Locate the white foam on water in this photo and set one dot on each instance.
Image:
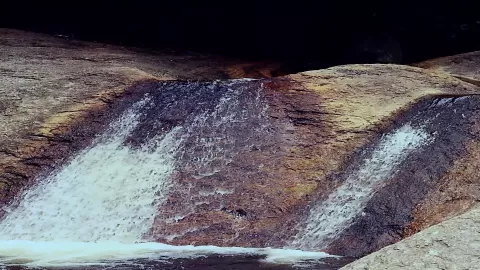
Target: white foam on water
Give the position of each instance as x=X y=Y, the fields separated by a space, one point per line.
x=58 y=254
x=110 y=191
x=329 y=218
x=234 y=81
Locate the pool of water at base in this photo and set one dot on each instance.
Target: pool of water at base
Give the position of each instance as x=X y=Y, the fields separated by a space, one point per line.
x=202 y=263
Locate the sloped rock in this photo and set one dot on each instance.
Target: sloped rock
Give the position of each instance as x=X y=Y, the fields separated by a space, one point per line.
x=453 y=244
x=463 y=66
x=458 y=189
x=49 y=84
x=323 y=120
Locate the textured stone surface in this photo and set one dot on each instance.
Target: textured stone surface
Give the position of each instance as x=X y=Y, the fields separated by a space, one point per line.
x=464 y=66
x=388 y=217
x=433 y=184
x=453 y=244
x=458 y=189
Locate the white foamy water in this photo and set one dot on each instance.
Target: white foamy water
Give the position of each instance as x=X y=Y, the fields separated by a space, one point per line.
x=329 y=218
x=57 y=254
x=109 y=191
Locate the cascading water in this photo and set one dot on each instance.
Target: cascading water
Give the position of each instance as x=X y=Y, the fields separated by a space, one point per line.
x=234 y=125
x=99 y=207
x=215 y=134
x=108 y=192
x=330 y=217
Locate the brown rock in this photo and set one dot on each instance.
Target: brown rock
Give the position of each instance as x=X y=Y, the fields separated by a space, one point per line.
x=463 y=66
x=459 y=188
x=457 y=192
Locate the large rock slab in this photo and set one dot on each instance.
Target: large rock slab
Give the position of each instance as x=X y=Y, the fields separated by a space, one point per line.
x=453 y=244
x=256 y=157
x=322 y=125
x=459 y=188
x=43 y=75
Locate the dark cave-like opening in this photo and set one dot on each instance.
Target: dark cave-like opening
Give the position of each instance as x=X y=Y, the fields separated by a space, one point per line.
x=302 y=34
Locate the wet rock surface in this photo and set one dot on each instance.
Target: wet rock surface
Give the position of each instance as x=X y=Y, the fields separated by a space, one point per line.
x=318 y=134
x=419 y=193
x=255 y=155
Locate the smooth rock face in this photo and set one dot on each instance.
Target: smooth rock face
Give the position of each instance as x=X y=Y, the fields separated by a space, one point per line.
x=43 y=75
x=256 y=156
x=453 y=244
x=387 y=216
x=318 y=126
x=421 y=181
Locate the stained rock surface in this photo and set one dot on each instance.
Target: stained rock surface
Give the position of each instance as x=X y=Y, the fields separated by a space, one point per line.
x=454 y=242
x=459 y=188
x=256 y=156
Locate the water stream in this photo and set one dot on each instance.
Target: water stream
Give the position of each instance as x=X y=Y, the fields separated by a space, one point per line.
x=108 y=192
x=97 y=208
x=328 y=218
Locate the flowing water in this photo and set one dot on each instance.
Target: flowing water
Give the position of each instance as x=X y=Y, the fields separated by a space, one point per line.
x=97 y=209
x=108 y=192
x=330 y=217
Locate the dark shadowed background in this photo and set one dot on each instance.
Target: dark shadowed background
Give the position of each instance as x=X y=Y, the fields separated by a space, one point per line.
x=304 y=34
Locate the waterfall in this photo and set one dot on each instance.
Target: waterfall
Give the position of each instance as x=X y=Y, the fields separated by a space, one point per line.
x=329 y=218
x=108 y=192
x=97 y=207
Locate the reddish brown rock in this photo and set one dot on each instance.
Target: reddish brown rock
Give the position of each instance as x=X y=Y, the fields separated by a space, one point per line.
x=458 y=189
